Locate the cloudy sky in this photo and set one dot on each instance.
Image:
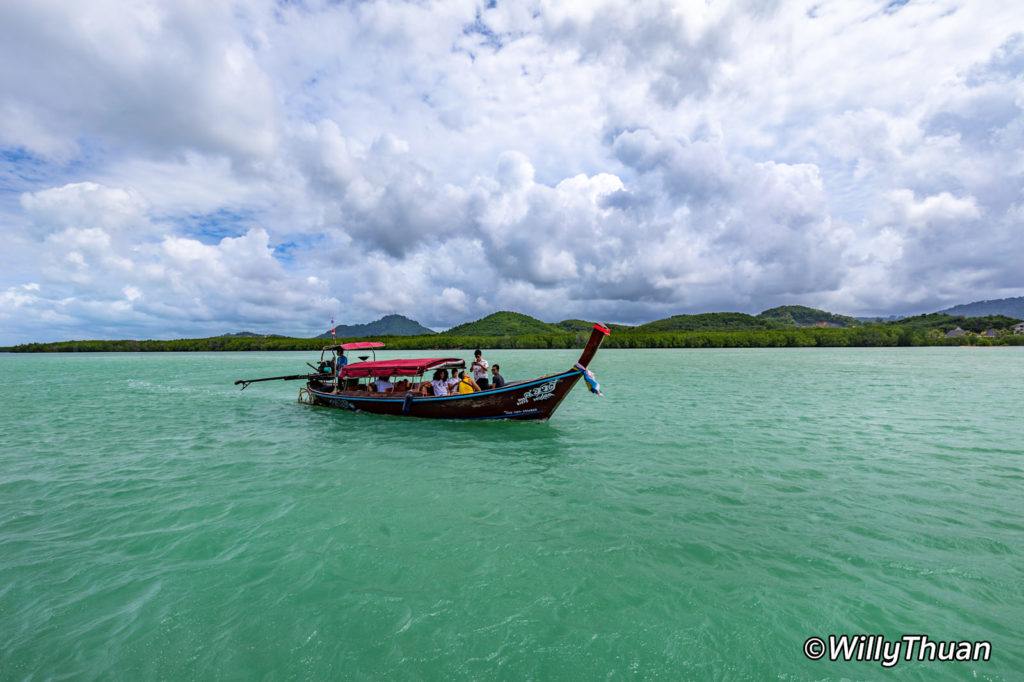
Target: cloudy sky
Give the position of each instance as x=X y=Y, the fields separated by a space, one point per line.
x=184 y=168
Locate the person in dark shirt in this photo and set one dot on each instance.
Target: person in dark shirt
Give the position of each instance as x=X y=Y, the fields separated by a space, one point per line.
x=497 y=380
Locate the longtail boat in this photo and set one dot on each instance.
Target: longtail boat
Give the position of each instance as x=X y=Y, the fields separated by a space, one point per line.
x=340 y=384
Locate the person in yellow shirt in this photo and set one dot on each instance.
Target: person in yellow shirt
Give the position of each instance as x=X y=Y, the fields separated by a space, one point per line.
x=466 y=383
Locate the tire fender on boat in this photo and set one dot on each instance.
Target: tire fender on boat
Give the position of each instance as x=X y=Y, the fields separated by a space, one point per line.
x=407 y=404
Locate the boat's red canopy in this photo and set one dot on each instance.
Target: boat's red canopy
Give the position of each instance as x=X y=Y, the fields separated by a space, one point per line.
x=355 y=345
x=360 y=345
x=405 y=368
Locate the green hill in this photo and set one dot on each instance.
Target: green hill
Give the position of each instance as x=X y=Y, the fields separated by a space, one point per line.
x=504 y=323
x=573 y=326
x=945 y=323
x=389 y=325
x=802 y=316
x=582 y=326
x=708 y=322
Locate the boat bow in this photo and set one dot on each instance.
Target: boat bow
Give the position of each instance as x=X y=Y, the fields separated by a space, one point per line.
x=593 y=343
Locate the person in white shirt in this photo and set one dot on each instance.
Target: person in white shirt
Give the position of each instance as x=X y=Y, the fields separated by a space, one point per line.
x=479 y=369
x=440 y=382
x=383 y=385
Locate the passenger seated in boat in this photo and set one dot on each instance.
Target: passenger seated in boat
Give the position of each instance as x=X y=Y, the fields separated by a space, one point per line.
x=383 y=385
x=497 y=381
x=440 y=382
x=467 y=384
x=402 y=385
x=453 y=383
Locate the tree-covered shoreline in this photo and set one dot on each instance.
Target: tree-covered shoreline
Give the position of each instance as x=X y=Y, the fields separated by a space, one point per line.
x=889 y=334
x=783 y=327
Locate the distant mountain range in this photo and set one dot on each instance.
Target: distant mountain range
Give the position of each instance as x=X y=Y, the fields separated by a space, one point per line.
x=1011 y=307
x=507 y=323
x=389 y=325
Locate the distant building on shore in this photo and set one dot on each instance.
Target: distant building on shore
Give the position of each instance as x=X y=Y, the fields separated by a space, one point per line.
x=952 y=334
x=1018 y=328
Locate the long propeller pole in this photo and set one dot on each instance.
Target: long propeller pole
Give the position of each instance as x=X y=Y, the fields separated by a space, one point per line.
x=291 y=377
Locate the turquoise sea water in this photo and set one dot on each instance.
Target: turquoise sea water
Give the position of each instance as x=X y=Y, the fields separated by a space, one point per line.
x=702 y=520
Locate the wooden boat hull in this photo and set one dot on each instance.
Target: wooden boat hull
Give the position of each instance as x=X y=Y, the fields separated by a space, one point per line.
x=536 y=399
